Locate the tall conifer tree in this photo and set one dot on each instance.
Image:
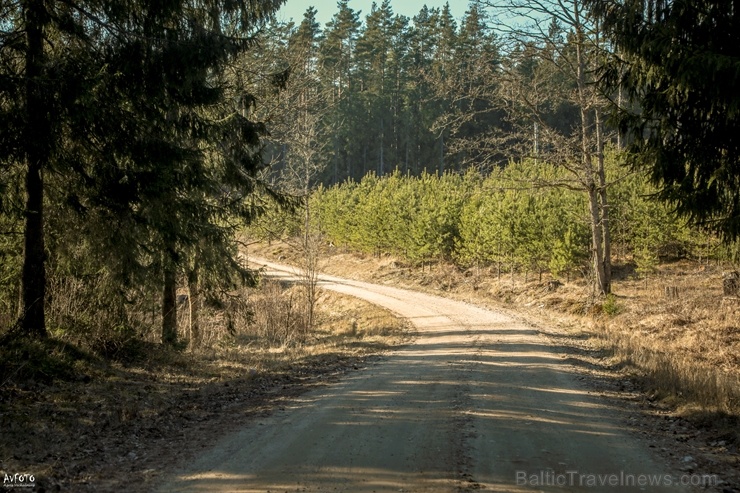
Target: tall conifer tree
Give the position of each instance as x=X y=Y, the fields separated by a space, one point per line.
x=125 y=104
x=678 y=63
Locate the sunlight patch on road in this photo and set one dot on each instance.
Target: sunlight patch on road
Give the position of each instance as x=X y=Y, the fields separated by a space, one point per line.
x=375 y=393
x=355 y=479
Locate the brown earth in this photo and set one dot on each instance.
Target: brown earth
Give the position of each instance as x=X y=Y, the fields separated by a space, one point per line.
x=696 y=431
x=118 y=425
x=480 y=400
x=126 y=426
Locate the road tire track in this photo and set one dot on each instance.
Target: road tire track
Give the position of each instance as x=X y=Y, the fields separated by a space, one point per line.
x=478 y=401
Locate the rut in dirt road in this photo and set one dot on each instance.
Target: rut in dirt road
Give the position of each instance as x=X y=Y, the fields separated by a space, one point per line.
x=479 y=401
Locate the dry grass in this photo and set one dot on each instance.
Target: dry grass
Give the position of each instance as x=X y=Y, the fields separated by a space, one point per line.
x=686 y=351
x=83 y=422
x=688 y=348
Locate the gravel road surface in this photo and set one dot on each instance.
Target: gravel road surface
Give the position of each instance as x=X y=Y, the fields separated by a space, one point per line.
x=478 y=401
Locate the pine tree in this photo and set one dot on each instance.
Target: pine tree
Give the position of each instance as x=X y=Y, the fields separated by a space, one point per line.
x=422 y=110
x=337 y=57
x=473 y=116
x=443 y=76
x=373 y=53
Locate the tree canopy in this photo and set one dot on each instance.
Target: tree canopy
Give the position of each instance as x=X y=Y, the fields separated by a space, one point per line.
x=678 y=63
x=122 y=115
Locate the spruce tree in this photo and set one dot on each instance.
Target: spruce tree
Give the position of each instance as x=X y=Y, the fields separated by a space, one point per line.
x=337 y=58
x=125 y=104
x=373 y=53
x=678 y=63
x=422 y=107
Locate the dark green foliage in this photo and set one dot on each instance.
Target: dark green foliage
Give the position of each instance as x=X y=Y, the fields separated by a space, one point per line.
x=399 y=93
x=679 y=65
x=133 y=146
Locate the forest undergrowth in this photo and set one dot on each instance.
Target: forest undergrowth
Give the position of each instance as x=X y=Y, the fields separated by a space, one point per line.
x=101 y=414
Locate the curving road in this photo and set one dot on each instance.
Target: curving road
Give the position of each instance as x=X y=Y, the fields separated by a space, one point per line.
x=479 y=401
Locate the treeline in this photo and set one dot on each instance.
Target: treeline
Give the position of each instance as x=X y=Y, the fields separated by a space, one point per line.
x=380 y=91
x=522 y=218
x=433 y=95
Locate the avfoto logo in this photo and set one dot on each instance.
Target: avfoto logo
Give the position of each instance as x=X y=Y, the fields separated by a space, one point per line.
x=19 y=480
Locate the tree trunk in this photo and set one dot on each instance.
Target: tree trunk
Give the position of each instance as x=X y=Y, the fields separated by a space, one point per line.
x=310 y=267
x=381 y=171
x=169 y=306
x=364 y=159
x=604 y=206
x=601 y=283
x=194 y=305
x=406 y=160
x=34 y=272
x=620 y=142
x=36 y=140
x=335 y=174
x=441 y=154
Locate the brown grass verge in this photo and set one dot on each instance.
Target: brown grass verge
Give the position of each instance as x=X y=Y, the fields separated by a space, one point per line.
x=684 y=351
x=80 y=422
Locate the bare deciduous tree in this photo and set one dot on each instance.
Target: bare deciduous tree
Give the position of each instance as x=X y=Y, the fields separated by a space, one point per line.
x=553 y=49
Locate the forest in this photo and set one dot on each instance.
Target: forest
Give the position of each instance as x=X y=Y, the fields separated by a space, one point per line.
x=142 y=141
x=564 y=175
x=503 y=138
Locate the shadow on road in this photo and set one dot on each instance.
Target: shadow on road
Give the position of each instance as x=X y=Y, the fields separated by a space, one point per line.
x=477 y=401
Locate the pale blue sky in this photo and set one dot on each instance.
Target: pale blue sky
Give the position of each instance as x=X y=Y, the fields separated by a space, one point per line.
x=327 y=8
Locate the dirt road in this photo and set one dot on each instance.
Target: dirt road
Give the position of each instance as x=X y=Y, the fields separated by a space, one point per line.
x=479 y=401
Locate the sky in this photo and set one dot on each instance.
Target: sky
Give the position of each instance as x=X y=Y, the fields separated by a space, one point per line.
x=327 y=8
